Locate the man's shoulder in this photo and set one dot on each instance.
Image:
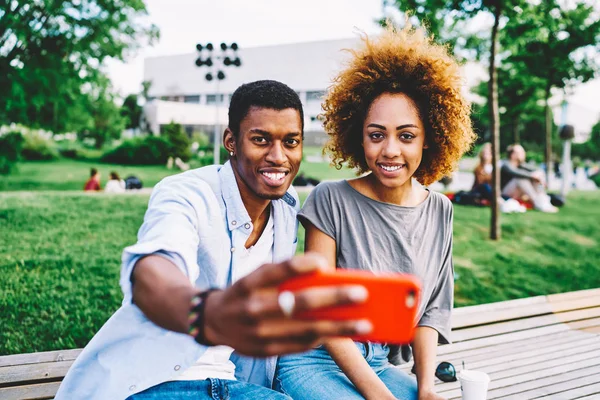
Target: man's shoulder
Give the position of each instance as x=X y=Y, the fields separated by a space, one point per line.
x=199 y=181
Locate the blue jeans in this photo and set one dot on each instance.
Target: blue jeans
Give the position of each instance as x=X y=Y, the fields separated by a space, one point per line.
x=315 y=375
x=209 y=389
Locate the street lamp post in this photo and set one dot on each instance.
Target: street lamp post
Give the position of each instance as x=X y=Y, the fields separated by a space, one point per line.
x=228 y=57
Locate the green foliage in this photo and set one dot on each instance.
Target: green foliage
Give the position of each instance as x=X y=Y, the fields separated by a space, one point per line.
x=106 y=121
x=53 y=52
x=38 y=147
x=179 y=142
x=10 y=151
x=131 y=111
x=147 y=150
x=591 y=148
x=58 y=293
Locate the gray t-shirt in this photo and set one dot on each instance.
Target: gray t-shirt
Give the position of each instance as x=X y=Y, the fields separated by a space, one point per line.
x=382 y=237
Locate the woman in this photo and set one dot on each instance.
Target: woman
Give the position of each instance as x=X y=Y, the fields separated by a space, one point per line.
x=115 y=184
x=397 y=112
x=482 y=187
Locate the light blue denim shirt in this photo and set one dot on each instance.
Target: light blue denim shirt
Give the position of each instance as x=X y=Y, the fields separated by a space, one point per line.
x=197 y=220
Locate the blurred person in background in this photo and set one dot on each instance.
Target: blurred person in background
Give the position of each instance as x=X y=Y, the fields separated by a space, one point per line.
x=522 y=182
x=115 y=184
x=93 y=184
x=482 y=187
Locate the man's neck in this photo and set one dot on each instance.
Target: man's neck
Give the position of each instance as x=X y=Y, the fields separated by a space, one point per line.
x=515 y=163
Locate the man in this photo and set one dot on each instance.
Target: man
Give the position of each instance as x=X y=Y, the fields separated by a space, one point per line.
x=206 y=228
x=93 y=184
x=519 y=180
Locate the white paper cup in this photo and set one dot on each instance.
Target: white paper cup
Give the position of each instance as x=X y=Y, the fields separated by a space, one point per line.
x=473 y=384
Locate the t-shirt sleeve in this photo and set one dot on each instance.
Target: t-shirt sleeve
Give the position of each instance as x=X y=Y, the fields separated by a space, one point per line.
x=439 y=308
x=317 y=210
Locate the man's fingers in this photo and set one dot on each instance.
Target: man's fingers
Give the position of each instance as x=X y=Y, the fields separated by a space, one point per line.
x=308 y=332
x=270 y=275
x=265 y=304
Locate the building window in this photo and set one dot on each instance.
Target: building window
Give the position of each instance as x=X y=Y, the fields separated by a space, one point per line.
x=191 y=99
x=212 y=98
x=315 y=95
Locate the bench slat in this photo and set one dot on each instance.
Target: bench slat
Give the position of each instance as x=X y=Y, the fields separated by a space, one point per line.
x=34 y=358
x=34 y=372
x=30 y=392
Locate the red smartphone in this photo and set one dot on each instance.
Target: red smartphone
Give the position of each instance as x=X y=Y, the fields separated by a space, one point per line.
x=391 y=306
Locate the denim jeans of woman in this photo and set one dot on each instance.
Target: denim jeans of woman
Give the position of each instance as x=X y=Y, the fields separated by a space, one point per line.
x=315 y=375
x=209 y=389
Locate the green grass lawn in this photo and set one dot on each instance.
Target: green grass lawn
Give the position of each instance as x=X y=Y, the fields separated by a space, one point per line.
x=66 y=174
x=60 y=258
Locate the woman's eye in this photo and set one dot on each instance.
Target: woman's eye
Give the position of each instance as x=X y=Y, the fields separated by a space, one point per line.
x=376 y=135
x=407 y=136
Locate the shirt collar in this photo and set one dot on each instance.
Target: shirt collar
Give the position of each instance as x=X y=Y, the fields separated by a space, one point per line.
x=236 y=212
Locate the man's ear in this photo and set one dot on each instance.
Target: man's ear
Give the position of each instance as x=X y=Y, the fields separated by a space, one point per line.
x=229 y=141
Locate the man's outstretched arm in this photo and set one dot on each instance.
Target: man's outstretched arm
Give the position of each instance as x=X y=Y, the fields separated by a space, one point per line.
x=246 y=316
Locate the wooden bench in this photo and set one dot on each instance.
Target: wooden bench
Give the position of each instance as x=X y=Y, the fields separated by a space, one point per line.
x=544 y=346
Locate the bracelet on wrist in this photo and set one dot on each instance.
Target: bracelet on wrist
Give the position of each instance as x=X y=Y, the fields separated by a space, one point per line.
x=196 y=317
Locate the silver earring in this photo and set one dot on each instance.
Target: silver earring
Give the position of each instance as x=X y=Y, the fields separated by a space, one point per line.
x=231 y=153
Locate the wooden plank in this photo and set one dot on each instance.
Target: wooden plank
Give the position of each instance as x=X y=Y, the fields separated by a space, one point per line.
x=519 y=345
x=584 y=324
x=524 y=324
x=523 y=373
x=574 y=304
x=591 y=388
x=31 y=392
x=518 y=358
x=508 y=337
x=34 y=358
x=469 y=320
x=578 y=294
x=33 y=372
x=518 y=388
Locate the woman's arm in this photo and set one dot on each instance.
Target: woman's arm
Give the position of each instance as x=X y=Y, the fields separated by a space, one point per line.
x=425 y=348
x=343 y=351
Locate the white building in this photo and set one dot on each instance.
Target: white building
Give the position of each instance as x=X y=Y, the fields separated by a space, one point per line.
x=188 y=98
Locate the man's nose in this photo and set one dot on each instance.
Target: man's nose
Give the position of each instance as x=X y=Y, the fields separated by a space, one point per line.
x=276 y=154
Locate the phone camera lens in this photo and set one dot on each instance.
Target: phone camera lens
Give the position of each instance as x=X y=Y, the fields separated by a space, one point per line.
x=411 y=299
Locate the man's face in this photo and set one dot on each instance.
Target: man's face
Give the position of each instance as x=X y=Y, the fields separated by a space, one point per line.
x=519 y=154
x=268 y=151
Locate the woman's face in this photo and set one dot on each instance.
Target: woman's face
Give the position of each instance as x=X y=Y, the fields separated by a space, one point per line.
x=486 y=154
x=393 y=139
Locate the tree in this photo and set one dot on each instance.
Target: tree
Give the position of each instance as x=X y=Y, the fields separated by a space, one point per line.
x=131 y=111
x=555 y=40
x=51 y=53
x=442 y=18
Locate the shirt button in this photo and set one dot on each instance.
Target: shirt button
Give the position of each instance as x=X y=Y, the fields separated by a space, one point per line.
x=177 y=368
x=232 y=249
x=131 y=388
x=233 y=222
x=247 y=226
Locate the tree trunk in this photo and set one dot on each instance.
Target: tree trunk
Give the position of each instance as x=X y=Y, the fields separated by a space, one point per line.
x=495 y=126
x=548 y=152
x=516 y=132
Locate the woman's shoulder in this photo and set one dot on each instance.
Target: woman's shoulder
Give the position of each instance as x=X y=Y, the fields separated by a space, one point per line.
x=329 y=188
x=440 y=202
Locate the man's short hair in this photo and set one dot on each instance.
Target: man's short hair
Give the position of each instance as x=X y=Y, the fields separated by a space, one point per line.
x=93 y=172
x=510 y=149
x=263 y=94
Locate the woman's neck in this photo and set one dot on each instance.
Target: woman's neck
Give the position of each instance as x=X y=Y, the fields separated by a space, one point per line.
x=406 y=195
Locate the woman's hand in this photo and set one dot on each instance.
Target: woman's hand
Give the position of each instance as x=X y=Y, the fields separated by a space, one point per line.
x=430 y=395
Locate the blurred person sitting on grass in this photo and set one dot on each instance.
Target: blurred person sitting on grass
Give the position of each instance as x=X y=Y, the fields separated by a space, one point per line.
x=397 y=114
x=115 y=184
x=93 y=184
x=201 y=316
x=482 y=187
x=522 y=182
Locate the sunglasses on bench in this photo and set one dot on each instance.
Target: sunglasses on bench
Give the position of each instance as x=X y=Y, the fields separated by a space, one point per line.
x=445 y=372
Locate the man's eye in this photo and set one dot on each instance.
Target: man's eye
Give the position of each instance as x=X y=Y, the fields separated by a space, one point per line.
x=259 y=139
x=292 y=142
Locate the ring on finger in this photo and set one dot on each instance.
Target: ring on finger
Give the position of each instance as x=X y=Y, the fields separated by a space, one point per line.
x=287 y=302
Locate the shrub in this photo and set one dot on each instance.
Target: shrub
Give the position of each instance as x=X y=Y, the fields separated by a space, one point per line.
x=148 y=150
x=10 y=150
x=179 y=142
x=38 y=147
